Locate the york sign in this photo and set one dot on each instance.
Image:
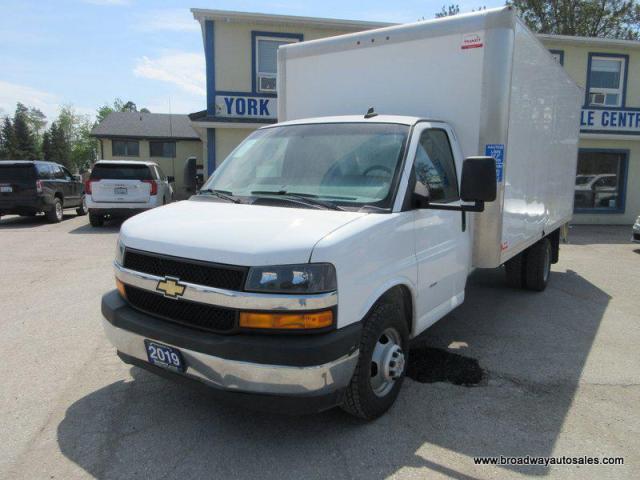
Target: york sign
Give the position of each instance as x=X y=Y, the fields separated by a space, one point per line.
x=610 y=121
x=237 y=106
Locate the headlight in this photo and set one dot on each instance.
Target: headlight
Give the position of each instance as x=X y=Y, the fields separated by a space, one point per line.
x=119 y=252
x=305 y=278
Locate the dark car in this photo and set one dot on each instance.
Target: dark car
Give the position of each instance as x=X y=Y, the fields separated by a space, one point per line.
x=28 y=187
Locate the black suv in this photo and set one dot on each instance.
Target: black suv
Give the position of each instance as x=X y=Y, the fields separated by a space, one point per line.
x=28 y=187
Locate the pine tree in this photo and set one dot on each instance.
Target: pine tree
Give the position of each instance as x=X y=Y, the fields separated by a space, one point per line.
x=46 y=145
x=26 y=147
x=60 y=148
x=7 y=140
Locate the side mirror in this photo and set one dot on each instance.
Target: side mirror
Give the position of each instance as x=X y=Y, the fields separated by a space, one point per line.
x=478 y=180
x=171 y=179
x=77 y=178
x=190 y=174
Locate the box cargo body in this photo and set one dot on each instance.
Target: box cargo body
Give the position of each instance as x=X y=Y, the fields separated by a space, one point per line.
x=489 y=78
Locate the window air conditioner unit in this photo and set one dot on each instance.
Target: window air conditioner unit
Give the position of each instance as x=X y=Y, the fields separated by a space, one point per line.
x=267 y=83
x=597 y=99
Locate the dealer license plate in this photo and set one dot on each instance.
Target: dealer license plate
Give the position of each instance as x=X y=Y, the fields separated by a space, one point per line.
x=164 y=356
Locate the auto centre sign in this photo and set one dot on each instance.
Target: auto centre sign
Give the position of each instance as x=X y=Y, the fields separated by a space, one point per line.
x=622 y=122
x=241 y=106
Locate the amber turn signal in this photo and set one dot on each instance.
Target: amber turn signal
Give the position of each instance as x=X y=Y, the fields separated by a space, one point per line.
x=287 y=321
x=120 y=287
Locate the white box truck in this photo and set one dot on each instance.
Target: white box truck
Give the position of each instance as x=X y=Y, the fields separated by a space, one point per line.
x=297 y=277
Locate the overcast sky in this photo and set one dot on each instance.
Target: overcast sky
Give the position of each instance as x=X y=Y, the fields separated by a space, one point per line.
x=88 y=52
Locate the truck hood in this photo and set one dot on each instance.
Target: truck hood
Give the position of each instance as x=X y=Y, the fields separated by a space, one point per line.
x=233 y=234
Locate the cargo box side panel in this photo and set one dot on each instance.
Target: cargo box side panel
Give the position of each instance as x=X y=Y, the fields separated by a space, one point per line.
x=541 y=152
x=431 y=78
x=494 y=120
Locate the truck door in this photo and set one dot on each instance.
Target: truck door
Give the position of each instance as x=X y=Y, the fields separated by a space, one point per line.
x=442 y=246
x=73 y=188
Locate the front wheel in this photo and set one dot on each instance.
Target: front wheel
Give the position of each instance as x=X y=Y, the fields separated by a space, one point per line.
x=381 y=364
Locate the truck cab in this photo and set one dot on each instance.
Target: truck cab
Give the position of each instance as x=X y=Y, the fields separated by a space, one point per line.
x=305 y=264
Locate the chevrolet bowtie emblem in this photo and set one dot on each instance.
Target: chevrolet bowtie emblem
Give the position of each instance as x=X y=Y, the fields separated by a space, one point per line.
x=171 y=287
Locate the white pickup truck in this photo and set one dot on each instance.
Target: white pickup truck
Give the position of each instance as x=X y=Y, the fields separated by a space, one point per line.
x=322 y=245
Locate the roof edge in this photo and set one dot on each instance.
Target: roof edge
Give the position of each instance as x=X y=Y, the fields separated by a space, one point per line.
x=571 y=40
x=201 y=14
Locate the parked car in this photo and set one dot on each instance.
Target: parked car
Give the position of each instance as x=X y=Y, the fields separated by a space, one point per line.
x=29 y=187
x=118 y=188
x=322 y=246
x=636 y=231
x=594 y=191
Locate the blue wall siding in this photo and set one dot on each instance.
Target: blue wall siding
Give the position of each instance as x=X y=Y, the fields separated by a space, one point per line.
x=211 y=151
x=209 y=55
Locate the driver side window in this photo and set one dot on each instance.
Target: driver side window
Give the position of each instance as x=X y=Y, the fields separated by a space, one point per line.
x=434 y=167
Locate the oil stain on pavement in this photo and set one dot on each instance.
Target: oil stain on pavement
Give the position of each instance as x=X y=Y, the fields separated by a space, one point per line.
x=430 y=365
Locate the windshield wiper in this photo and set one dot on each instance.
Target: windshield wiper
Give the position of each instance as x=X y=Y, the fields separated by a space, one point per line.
x=221 y=194
x=373 y=209
x=305 y=198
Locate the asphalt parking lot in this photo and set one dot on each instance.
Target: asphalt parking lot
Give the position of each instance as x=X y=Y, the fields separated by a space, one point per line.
x=559 y=375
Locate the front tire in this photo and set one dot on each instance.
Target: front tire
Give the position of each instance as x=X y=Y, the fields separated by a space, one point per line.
x=381 y=364
x=56 y=214
x=96 y=220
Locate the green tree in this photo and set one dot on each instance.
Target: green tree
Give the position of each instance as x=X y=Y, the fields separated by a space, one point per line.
x=7 y=140
x=84 y=148
x=46 y=145
x=448 y=11
x=118 y=105
x=588 y=18
x=129 y=107
x=60 y=150
x=26 y=144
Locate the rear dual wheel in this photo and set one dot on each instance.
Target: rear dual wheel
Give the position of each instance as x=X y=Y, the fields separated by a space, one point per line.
x=531 y=269
x=381 y=364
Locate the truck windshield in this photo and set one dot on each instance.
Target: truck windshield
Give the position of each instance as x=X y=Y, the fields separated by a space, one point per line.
x=350 y=164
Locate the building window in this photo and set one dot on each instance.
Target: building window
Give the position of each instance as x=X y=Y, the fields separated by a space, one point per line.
x=606 y=80
x=558 y=56
x=266 y=58
x=601 y=181
x=125 y=148
x=162 y=149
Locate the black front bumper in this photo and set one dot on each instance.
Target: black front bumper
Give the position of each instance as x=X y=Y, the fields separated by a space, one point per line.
x=298 y=352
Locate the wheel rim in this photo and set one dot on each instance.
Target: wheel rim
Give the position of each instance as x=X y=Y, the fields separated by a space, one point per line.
x=547 y=263
x=387 y=362
x=58 y=210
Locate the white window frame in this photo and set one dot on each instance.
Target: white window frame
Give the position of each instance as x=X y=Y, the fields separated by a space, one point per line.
x=604 y=91
x=259 y=74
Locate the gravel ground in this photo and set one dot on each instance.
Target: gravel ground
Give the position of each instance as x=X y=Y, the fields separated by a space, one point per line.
x=559 y=376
